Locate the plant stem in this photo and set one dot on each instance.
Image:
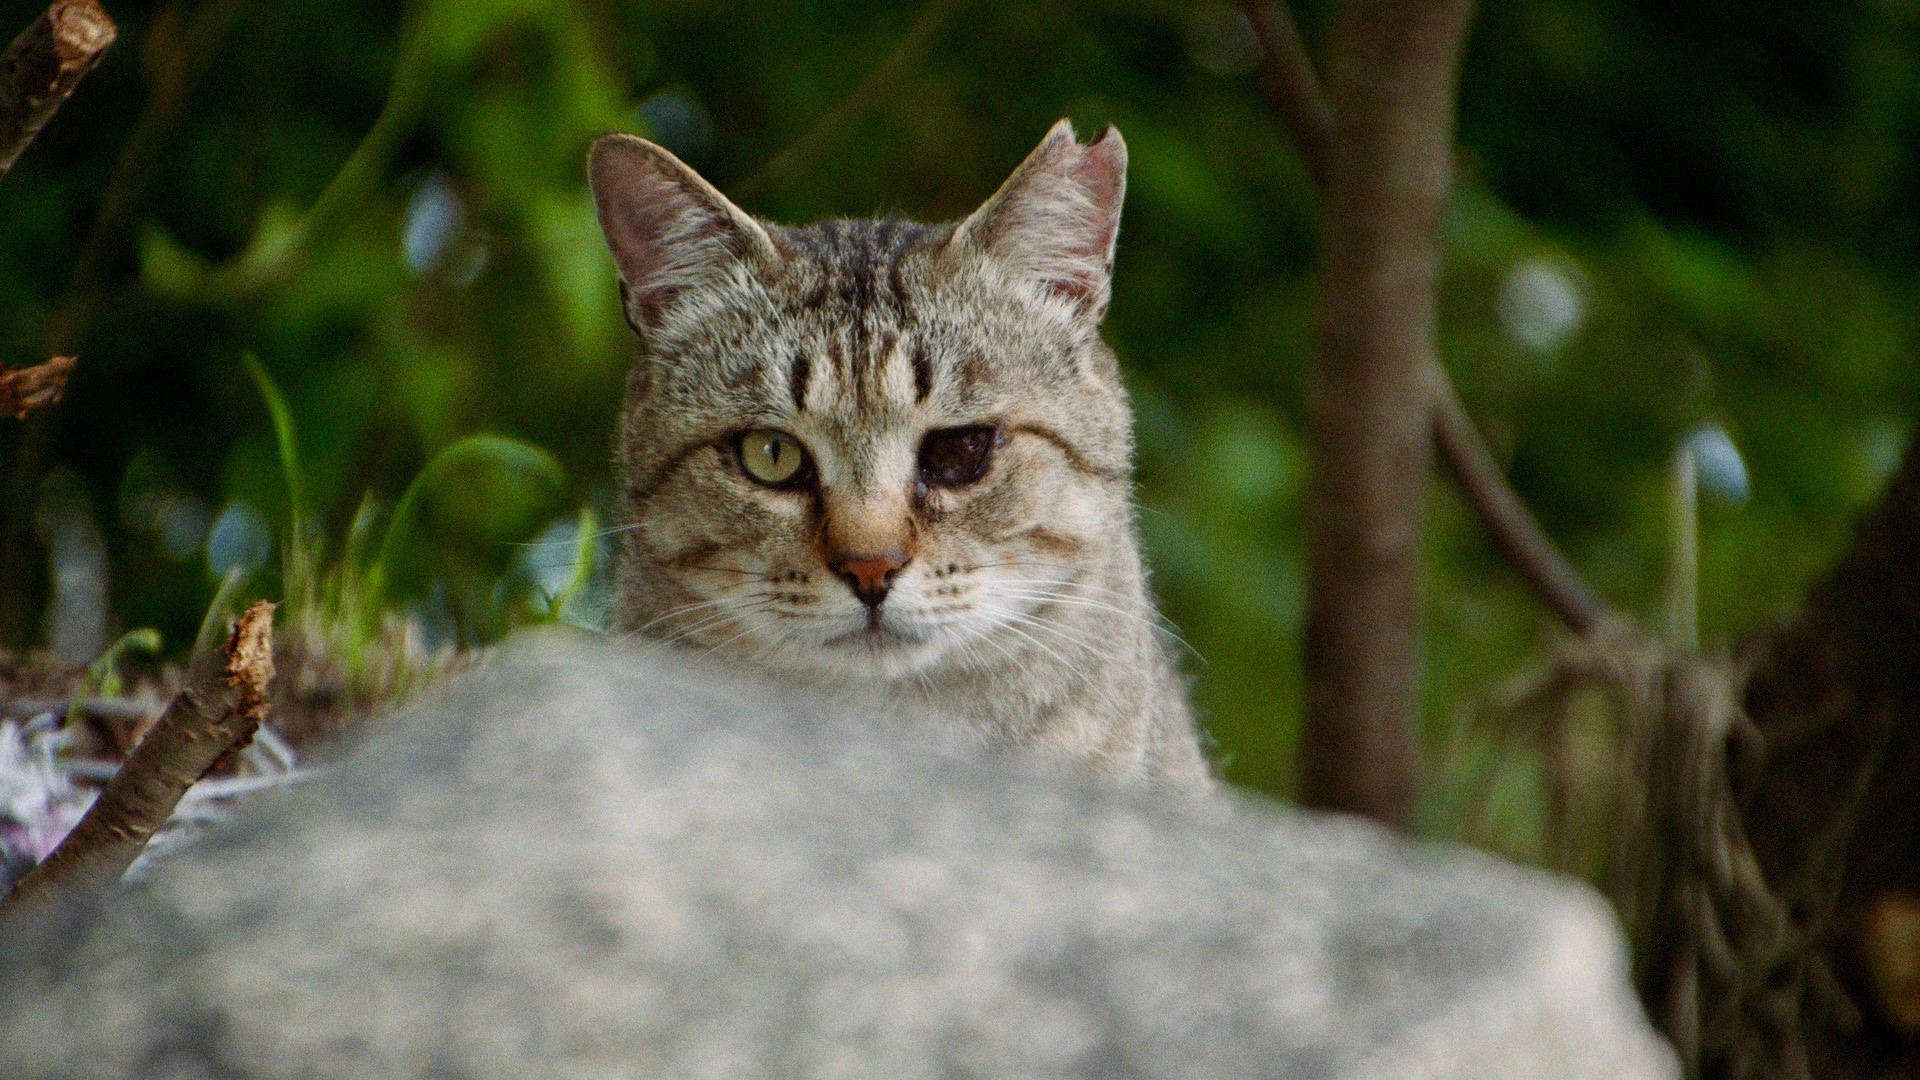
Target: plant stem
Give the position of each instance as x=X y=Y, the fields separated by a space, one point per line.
x=1683 y=552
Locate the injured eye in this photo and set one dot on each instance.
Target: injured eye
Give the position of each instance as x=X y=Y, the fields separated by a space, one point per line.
x=773 y=458
x=957 y=456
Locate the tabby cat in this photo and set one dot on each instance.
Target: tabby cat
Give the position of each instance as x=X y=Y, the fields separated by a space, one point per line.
x=893 y=461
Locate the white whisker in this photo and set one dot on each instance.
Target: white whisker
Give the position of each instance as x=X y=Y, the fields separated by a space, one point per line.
x=697 y=606
x=1032 y=591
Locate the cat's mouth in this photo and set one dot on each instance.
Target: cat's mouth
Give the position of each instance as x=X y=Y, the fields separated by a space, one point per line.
x=875 y=636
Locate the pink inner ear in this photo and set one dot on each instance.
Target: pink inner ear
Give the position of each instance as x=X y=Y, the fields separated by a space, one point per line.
x=667 y=228
x=638 y=207
x=1101 y=171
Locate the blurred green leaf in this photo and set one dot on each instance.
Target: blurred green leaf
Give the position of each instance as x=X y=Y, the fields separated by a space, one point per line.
x=485 y=488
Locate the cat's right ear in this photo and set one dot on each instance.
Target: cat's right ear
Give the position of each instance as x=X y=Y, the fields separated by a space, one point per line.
x=1055 y=220
x=670 y=231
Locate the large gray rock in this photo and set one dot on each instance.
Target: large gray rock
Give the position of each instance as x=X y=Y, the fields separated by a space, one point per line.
x=580 y=863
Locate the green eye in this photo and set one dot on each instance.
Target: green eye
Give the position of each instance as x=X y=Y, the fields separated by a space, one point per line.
x=772 y=458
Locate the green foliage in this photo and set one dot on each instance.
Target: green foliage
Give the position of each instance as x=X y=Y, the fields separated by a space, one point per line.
x=580 y=574
x=472 y=502
x=389 y=211
x=287 y=443
x=484 y=492
x=103 y=679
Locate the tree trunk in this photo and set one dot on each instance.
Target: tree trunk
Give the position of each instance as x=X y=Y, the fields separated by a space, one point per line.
x=1392 y=72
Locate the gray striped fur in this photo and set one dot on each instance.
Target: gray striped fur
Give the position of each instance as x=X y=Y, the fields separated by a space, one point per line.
x=1022 y=614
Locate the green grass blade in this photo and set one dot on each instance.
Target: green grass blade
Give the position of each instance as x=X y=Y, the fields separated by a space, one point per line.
x=103 y=675
x=297 y=566
x=495 y=452
x=586 y=550
x=214 y=623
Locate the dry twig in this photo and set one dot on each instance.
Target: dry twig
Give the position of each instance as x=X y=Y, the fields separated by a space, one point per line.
x=23 y=390
x=218 y=710
x=43 y=65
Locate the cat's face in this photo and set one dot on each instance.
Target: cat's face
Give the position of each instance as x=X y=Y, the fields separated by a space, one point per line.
x=870 y=449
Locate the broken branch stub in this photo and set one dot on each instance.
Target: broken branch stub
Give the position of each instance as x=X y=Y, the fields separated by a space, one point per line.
x=219 y=708
x=43 y=65
x=23 y=390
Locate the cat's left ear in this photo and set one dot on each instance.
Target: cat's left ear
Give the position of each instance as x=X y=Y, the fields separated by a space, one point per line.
x=1055 y=220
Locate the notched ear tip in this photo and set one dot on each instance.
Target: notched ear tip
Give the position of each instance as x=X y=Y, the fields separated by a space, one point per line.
x=1055 y=219
x=1062 y=149
x=1106 y=157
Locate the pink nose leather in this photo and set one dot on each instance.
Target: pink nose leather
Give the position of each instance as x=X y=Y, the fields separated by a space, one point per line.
x=870 y=576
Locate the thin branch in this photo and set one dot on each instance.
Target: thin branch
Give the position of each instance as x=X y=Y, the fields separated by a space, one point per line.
x=1514 y=530
x=43 y=65
x=1291 y=88
x=926 y=28
x=23 y=390
x=217 y=711
x=1293 y=92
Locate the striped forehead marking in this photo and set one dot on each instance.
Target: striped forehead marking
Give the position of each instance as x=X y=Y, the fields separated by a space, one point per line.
x=872 y=353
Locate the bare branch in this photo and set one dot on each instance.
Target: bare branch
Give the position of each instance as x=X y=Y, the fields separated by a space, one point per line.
x=1291 y=88
x=1293 y=92
x=43 y=65
x=23 y=390
x=181 y=43
x=1513 y=527
x=217 y=711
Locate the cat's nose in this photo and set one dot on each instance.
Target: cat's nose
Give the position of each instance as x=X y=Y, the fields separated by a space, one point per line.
x=870 y=576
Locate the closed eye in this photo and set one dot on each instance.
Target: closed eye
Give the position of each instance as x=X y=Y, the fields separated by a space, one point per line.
x=956 y=457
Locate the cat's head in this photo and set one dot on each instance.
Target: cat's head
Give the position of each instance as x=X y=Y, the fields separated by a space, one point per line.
x=872 y=446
